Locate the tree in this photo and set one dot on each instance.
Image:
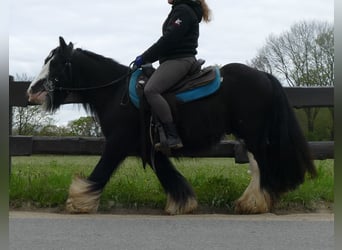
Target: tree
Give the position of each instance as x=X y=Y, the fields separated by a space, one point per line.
x=54 y=130
x=29 y=120
x=303 y=56
x=85 y=126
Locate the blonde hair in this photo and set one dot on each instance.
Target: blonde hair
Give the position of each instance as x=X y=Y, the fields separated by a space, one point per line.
x=206 y=11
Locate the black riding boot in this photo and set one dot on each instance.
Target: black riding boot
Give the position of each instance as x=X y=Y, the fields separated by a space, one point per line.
x=173 y=140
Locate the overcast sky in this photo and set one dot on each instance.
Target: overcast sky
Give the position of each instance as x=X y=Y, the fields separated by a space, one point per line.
x=123 y=29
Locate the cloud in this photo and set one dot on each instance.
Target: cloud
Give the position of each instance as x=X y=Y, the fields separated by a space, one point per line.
x=124 y=29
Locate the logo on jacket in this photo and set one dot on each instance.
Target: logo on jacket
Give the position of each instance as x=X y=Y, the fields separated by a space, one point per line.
x=178 y=22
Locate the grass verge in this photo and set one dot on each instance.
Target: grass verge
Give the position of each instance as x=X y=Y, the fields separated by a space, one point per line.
x=43 y=182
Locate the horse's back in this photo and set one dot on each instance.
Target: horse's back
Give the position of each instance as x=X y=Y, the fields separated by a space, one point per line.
x=246 y=75
x=245 y=84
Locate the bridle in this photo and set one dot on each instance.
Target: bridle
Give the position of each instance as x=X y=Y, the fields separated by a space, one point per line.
x=49 y=85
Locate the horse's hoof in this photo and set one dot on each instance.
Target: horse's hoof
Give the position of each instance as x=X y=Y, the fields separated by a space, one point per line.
x=254 y=203
x=81 y=199
x=175 y=208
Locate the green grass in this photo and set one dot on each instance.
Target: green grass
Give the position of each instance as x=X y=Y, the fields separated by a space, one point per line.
x=43 y=182
x=322 y=127
x=313 y=192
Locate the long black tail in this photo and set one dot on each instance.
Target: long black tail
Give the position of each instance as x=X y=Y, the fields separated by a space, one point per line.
x=287 y=154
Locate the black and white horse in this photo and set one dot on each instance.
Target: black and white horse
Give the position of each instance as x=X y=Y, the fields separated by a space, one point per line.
x=249 y=104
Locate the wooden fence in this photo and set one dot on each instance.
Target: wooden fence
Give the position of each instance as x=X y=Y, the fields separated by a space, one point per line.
x=29 y=145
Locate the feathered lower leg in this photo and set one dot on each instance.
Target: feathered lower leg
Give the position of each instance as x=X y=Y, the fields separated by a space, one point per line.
x=82 y=198
x=254 y=200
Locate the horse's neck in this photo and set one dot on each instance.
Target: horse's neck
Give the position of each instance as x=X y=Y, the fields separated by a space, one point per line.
x=91 y=72
x=94 y=71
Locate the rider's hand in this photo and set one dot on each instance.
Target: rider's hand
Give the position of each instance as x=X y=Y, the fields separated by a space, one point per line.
x=138 y=61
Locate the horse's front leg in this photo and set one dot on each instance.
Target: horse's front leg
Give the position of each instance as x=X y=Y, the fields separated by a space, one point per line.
x=181 y=198
x=84 y=194
x=254 y=200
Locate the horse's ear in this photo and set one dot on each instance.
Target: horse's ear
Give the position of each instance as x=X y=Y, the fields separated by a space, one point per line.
x=62 y=43
x=71 y=46
x=65 y=49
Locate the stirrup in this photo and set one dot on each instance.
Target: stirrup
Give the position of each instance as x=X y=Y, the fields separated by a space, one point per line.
x=159 y=147
x=176 y=145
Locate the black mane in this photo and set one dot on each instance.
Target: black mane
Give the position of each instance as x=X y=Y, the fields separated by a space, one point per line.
x=97 y=57
x=105 y=63
x=107 y=70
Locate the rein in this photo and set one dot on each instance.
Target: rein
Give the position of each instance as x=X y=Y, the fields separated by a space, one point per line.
x=48 y=85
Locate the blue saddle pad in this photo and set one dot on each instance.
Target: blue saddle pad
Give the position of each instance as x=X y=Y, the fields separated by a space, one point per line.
x=185 y=96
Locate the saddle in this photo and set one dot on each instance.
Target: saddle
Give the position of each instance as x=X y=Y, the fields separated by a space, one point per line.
x=197 y=84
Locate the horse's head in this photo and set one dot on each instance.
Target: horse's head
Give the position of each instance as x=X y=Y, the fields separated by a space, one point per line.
x=55 y=74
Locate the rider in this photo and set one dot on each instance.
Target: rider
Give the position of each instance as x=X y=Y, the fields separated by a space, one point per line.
x=175 y=50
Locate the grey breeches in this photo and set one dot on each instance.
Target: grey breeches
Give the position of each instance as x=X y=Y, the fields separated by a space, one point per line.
x=167 y=74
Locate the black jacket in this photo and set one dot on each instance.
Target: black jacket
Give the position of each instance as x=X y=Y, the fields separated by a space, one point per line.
x=180 y=33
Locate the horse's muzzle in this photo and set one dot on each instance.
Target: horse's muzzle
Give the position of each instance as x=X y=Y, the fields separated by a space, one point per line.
x=36 y=92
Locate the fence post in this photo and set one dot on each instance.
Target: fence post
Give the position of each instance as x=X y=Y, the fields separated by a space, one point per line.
x=10 y=113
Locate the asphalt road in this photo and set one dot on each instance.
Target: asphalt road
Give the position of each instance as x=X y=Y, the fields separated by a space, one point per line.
x=155 y=232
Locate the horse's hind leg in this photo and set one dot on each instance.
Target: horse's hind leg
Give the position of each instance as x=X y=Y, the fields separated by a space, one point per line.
x=254 y=200
x=180 y=195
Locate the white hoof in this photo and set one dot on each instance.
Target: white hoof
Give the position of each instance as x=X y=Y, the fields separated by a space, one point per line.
x=81 y=199
x=255 y=202
x=174 y=208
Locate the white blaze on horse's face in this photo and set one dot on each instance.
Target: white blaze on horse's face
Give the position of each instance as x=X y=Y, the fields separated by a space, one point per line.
x=37 y=92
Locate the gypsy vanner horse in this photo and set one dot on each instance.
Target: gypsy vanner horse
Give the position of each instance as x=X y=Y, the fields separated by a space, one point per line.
x=249 y=104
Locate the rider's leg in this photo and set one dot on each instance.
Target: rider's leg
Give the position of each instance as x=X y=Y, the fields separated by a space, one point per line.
x=168 y=74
